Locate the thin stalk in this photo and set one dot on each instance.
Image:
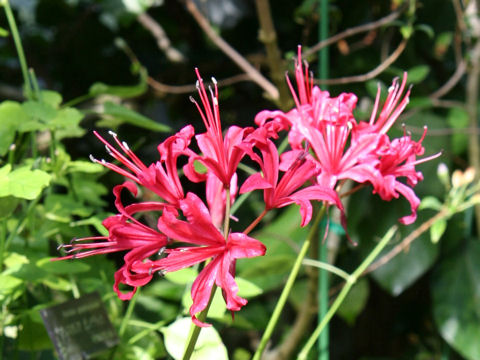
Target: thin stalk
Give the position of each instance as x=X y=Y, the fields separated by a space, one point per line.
x=255 y=222
x=288 y=286
x=328 y=267
x=194 y=329
x=348 y=285
x=18 y=45
x=323 y=283
x=34 y=82
x=128 y=313
x=226 y=221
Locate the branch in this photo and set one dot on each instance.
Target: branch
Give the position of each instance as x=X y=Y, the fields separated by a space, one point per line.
x=449 y=85
x=371 y=74
x=233 y=54
x=185 y=89
x=354 y=30
x=159 y=34
x=406 y=242
x=268 y=36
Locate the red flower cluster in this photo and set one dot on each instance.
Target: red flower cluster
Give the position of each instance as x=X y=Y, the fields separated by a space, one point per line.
x=327 y=145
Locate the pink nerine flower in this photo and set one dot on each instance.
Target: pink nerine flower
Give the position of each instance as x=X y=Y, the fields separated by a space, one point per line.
x=124 y=233
x=220 y=155
x=160 y=177
x=345 y=149
x=209 y=244
x=300 y=168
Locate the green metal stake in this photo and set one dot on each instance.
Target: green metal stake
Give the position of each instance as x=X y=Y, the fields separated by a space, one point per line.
x=323 y=283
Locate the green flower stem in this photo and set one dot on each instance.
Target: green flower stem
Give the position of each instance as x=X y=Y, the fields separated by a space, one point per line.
x=328 y=267
x=128 y=314
x=195 y=330
x=348 y=285
x=18 y=44
x=323 y=283
x=288 y=286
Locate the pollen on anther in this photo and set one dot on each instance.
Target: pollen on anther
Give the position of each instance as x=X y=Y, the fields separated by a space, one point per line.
x=197 y=84
x=108 y=150
x=192 y=100
x=125 y=145
x=114 y=134
x=214 y=81
x=92 y=159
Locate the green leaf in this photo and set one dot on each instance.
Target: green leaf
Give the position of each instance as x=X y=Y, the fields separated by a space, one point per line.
x=427 y=29
x=355 y=301
x=132 y=117
x=8 y=284
x=209 y=344
x=11 y=117
x=247 y=289
x=61 y=208
x=39 y=111
x=456 y=300
x=57 y=283
x=217 y=308
x=33 y=335
x=66 y=118
x=3 y=32
x=182 y=277
x=85 y=167
x=8 y=204
x=405 y=268
x=52 y=98
x=62 y=267
x=123 y=92
x=437 y=230
x=430 y=202
x=418 y=74
x=22 y=183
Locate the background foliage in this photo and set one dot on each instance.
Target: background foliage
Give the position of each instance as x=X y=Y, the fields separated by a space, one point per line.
x=98 y=65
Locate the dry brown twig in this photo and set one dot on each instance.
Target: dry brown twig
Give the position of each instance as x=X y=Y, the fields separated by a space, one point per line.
x=369 y=75
x=233 y=54
x=161 y=37
x=354 y=30
x=185 y=89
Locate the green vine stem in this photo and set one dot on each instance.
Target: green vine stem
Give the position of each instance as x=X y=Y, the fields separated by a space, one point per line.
x=346 y=289
x=288 y=286
x=18 y=44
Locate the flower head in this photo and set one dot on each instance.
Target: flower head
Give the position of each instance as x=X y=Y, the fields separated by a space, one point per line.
x=125 y=233
x=160 y=177
x=221 y=155
x=206 y=244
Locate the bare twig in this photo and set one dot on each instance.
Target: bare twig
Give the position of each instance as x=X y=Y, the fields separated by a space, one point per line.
x=355 y=30
x=268 y=36
x=159 y=34
x=233 y=54
x=185 y=89
x=450 y=84
x=406 y=242
x=371 y=74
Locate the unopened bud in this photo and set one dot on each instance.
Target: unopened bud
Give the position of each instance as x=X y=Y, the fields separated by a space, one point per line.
x=443 y=174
